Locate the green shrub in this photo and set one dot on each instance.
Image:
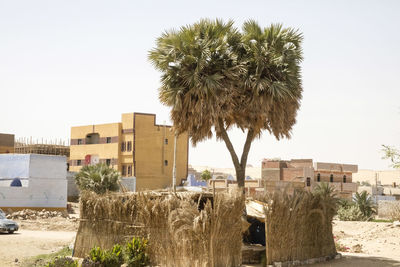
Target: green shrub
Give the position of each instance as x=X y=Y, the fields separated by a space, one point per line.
x=114 y=257
x=105 y=258
x=62 y=262
x=96 y=254
x=136 y=253
x=350 y=213
x=98 y=178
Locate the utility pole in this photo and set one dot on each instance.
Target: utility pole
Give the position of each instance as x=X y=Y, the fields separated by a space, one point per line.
x=174 y=168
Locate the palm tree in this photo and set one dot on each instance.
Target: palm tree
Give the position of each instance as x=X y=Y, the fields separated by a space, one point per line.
x=98 y=178
x=325 y=190
x=365 y=203
x=217 y=77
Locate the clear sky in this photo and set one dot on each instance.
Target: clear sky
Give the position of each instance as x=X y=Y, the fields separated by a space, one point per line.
x=69 y=63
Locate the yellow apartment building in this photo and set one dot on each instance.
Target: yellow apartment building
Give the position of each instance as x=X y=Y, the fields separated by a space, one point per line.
x=136 y=146
x=6 y=143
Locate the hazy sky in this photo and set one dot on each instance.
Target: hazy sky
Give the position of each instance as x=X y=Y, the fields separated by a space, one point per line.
x=70 y=63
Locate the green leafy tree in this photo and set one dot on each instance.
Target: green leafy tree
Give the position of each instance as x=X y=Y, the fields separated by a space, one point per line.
x=393 y=154
x=365 y=204
x=98 y=178
x=206 y=175
x=215 y=77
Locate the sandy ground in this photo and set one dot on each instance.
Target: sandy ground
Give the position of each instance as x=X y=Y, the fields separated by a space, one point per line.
x=375 y=239
x=28 y=243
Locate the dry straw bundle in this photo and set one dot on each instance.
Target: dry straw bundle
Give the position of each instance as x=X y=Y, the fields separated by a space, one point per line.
x=298 y=226
x=179 y=233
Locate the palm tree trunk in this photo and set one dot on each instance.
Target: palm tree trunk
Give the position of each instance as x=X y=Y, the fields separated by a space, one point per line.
x=240 y=167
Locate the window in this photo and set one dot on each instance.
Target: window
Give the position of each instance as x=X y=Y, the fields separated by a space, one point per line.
x=78 y=162
x=93 y=138
x=344 y=178
x=108 y=140
x=108 y=162
x=79 y=141
x=129 y=170
x=308 y=181
x=166 y=141
x=123 y=172
x=331 y=178
x=123 y=146
x=166 y=162
x=129 y=146
x=318 y=177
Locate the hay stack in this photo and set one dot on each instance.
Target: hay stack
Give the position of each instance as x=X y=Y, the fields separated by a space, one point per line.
x=179 y=233
x=298 y=226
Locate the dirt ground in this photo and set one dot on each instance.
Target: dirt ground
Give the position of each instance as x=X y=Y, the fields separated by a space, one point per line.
x=375 y=239
x=28 y=243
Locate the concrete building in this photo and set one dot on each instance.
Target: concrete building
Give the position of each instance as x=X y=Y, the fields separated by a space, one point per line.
x=304 y=171
x=6 y=143
x=136 y=146
x=41 y=182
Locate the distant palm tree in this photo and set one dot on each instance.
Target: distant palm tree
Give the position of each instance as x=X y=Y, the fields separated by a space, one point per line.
x=98 y=178
x=215 y=77
x=325 y=190
x=365 y=203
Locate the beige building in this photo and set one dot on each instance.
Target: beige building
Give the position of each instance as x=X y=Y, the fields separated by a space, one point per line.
x=136 y=146
x=6 y=143
x=304 y=171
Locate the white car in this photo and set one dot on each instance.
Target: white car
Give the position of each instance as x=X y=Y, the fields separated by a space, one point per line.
x=7 y=225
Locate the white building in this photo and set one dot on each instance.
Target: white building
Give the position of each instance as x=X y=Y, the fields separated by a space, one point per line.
x=43 y=179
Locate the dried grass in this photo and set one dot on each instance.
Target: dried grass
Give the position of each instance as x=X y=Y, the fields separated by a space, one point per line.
x=179 y=233
x=298 y=226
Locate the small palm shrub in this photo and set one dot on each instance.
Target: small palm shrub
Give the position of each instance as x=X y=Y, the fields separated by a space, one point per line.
x=366 y=205
x=62 y=262
x=136 y=253
x=361 y=208
x=98 y=178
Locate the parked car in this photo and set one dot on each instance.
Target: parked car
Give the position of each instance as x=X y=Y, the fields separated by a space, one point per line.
x=7 y=225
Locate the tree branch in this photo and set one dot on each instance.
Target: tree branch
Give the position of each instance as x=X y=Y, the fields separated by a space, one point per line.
x=246 y=148
x=228 y=143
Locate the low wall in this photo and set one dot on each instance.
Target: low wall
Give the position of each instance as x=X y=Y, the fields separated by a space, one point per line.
x=179 y=233
x=298 y=227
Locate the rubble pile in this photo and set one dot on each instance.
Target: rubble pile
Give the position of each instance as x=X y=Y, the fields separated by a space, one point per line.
x=28 y=214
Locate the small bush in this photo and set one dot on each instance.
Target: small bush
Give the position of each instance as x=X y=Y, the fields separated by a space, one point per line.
x=394 y=212
x=62 y=262
x=136 y=253
x=350 y=213
x=114 y=257
x=105 y=258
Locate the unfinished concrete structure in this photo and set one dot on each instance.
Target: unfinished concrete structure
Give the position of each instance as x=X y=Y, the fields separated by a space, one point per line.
x=304 y=173
x=42 y=182
x=45 y=147
x=6 y=143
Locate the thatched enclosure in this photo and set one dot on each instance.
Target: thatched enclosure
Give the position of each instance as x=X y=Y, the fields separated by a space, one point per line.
x=179 y=232
x=298 y=226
